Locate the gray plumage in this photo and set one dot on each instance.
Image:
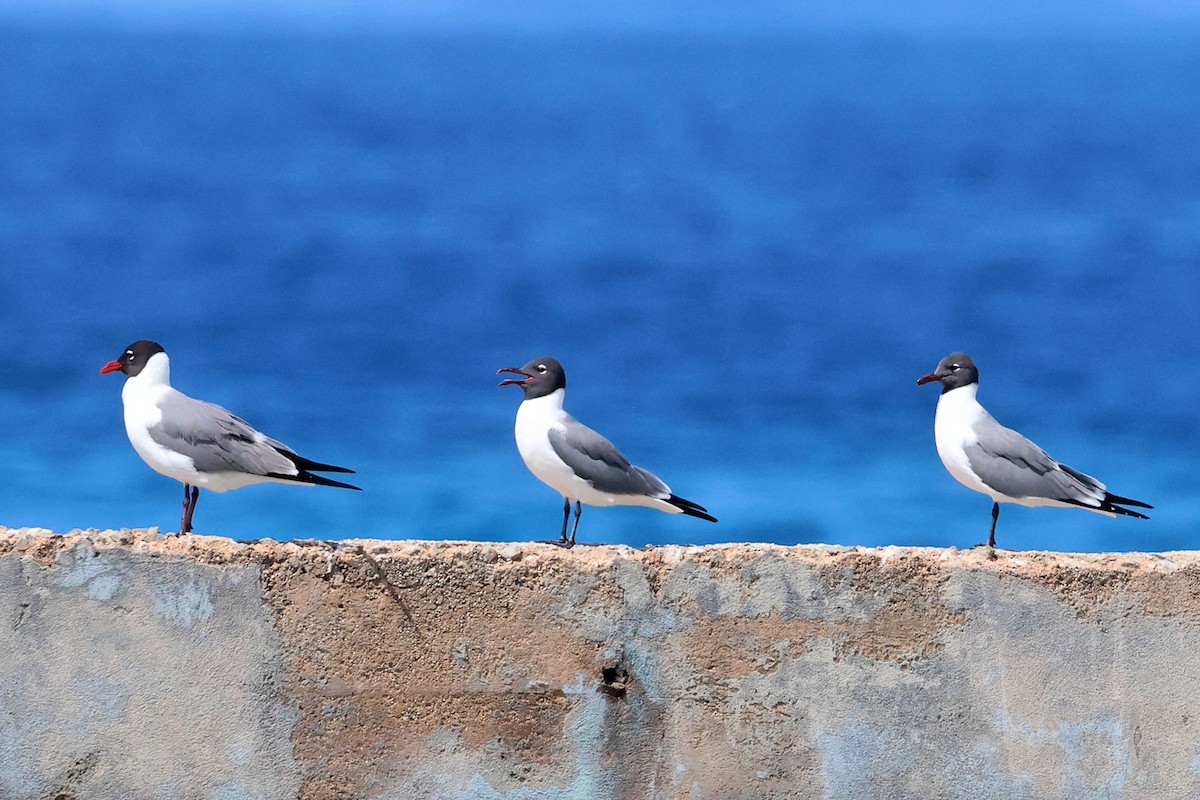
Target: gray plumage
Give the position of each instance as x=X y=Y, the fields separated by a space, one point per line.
x=598 y=462
x=573 y=459
x=1013 y=465
x=217 y=440
x=989 y=458
x=199 y=443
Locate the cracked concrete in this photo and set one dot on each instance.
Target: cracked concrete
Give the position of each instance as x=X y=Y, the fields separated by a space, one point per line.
x=143 y=666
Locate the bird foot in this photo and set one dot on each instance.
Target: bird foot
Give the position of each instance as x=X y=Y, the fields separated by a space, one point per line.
x=563 y=543
x=990 y=550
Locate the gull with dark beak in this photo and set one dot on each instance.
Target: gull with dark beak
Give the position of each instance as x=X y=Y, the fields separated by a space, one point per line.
x=573 y=459
x=997 y=461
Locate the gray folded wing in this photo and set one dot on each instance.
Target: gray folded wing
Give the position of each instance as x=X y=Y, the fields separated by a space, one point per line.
x=594 y=459
x=216 y=440
x=1009 y=463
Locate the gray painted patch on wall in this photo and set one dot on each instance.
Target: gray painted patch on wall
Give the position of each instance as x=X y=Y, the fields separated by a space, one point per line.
x=166 y=682
x=184 y=605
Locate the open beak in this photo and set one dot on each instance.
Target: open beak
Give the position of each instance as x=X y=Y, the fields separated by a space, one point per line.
x=515 y=370
x=111 y=366
x=930 y=378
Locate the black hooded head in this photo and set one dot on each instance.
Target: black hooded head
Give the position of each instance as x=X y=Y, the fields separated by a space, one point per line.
x=134 y=359
x=954 y=371
x=542 y=376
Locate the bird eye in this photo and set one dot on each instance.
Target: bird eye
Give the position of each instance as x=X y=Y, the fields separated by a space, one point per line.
x=541 y=367
x=955 y=366
x=129 y=353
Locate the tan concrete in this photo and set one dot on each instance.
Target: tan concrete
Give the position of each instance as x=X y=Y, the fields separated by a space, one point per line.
x=139 y=665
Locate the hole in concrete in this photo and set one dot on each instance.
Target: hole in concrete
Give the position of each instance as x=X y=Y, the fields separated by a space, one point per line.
x=613 y=681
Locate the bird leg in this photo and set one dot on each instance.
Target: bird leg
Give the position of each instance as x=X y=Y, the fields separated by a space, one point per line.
x=190 y=495
x=562 y=540
x=186 y=504
x=991 y=542
x=566 y=515
x=195 y=499
x=575 y=527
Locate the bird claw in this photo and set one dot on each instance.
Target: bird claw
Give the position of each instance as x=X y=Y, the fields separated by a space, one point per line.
x=563 y=543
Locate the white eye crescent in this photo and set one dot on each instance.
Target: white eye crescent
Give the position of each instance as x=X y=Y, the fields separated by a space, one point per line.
x=541 y=367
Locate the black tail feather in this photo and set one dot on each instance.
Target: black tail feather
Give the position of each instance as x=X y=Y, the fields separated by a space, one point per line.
x=691 y=509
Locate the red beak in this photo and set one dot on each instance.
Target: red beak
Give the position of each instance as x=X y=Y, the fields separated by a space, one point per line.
x=111 y=366
x=924 y=379
x=508 y=381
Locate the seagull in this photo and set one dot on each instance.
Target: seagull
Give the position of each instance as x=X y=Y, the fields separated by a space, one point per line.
x=997 y=461
x=200 y=444
x=573 y=459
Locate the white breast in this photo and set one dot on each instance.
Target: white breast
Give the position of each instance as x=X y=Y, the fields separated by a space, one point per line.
x=535 y=419
x=140 y=400
x=953 y=431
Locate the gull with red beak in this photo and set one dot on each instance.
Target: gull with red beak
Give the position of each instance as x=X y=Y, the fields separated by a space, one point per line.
x=196 y=443
x=994 y=460
x=573 y=459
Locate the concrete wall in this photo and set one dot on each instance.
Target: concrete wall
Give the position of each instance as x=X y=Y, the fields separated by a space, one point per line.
x=141 y=666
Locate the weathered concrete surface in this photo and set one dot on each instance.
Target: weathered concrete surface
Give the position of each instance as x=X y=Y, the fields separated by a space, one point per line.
x=143 y=666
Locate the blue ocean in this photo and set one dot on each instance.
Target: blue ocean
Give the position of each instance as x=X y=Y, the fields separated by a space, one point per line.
x=745 y=249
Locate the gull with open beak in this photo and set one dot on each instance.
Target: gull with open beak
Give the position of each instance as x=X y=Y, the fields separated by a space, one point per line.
x=573 y=459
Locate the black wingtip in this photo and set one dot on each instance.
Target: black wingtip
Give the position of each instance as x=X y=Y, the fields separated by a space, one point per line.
x=1116 y=499
x=691 y=509
x=308 y=465
x=314 y=466
x=691 y=512
x=1112 y=504
x=321 y=480
x=1124 y=511
x=316 y=480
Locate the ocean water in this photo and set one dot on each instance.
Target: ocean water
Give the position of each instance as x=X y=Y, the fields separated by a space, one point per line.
x=744 y=250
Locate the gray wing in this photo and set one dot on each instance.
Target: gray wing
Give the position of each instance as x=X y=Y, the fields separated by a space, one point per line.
x=216 y=440
x=1009 y=463
x=598 y=462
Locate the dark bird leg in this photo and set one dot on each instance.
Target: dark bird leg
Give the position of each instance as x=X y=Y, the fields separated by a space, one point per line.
x=562 y=540
x=187 y=501
x=191 y=494
x=575 y=527
x=566 y=516
x=195 y=499
x=992 y=533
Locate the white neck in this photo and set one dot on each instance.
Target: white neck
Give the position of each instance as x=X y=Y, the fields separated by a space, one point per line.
x=963 y=394
x=535 y=416
x=547 y=402
x=959 y=405
x=155 y=375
